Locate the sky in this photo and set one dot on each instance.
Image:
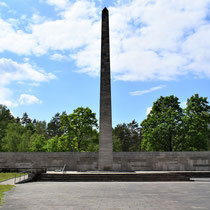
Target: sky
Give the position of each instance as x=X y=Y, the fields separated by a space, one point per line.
x=50 y=55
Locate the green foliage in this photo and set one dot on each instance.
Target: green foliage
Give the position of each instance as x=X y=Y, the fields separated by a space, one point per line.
x=73 y=132
x=5 y=118
x=25 y=143
x=25 y=120
x=40 y=128
x=126 y=137
x=162 y=126
x=12 y=140
x=92 y=143
x=170 y=128
x=6 y=176
x=38 y=143
x=3 y=189
x=117 y=145
x=57 y=144
x=197 y=121
x=21 y=138
x=54 y=126
x=79 y=128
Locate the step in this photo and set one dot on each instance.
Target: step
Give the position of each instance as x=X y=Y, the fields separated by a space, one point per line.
x=113 y=177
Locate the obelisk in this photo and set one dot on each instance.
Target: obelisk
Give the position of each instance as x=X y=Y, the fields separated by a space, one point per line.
x=105 y=161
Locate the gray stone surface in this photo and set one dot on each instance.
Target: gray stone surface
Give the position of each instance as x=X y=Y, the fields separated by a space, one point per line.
x=9 y=181
x=105 y=139
x=116 y=195
x=122 y=161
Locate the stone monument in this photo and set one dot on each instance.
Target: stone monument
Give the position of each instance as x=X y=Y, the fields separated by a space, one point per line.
x=105 y=160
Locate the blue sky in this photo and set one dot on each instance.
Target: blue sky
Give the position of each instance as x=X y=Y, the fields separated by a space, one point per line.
x=50 y=54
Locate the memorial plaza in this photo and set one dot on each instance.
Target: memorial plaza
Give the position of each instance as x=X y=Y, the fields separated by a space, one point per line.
x=110 y=195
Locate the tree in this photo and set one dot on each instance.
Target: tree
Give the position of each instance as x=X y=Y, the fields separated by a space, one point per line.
x=59 y=144
x=54 y=126
x=25 y=142
x=128 y=135
x=5 y=118
x=12 y=140
x=79 y=127
x=117 y=145
x=135 y=136
x=92 y=143
x=40 y=128
x=162 y=129
x=38 y=143
x=197 y=120
x=25 y=120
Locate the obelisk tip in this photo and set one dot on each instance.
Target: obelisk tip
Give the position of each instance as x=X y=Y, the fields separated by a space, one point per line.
x=105 y=9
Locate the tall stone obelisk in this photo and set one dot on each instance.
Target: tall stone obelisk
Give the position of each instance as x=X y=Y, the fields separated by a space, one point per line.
x=105 y=137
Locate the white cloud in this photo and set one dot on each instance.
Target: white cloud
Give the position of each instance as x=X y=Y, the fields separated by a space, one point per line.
x=3 y=4
x=141 y=92
x=36 y=84
x=26 y=59
x=6 y=97
x=26 y=99
x=37 y=19
x=150 y=40
x=11 y=71
x=197 y=49
x=58 y=3
x=149 y=109
x=88 y=59
x=17 y=41
x=153 y=41
x=74 y=30
x=58 y=57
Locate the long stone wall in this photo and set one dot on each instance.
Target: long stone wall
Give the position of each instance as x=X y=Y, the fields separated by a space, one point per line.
x=162 y=161
x=122 y=161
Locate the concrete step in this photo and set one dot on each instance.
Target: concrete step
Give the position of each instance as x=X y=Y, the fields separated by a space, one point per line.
x=196 y=174
x=134 y=177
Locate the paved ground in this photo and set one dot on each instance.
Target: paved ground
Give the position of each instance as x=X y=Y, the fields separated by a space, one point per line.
x=9 y=181
x=109 y=195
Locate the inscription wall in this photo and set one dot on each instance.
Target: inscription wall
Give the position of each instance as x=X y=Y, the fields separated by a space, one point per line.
x=122 y=161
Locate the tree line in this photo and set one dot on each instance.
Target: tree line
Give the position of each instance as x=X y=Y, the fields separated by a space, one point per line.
x=73 y=132
x=168 y=127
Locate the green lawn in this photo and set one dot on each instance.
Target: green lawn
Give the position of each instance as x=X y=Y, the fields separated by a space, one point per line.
x=3 y=189
x=5 y=176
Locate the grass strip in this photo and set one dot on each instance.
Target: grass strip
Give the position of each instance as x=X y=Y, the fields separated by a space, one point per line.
x=5 y=176
x=3 y=189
